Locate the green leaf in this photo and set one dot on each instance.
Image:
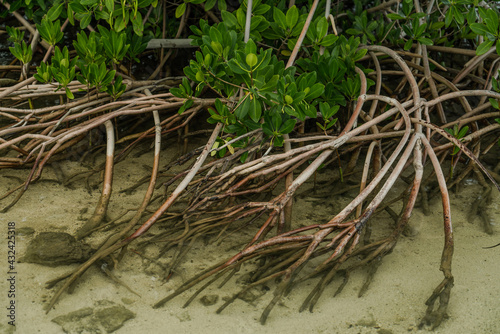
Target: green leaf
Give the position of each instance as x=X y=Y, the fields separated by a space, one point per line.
x=137 y=24
x=275 y=121
x=436 y=25
x=492 y=21
x=209 y=4
x=55 y=11
x=463 y=132
x=420 y=28
x=121 y=22
x=292 y=16
x=417 y=15
x=331 y=123
x=69 y=94
x=77 y=7
x=217 y=47
x=261 y=9
x=255 y=109
x=407 y=30
x=228 y=18
x=214 y=147
x=256 y=23
x=188 y=104
x=425 y=41
x=179 y=11
x=250 y=47
x=352 y=31
x=278 y=141
x=221 y=4
x=315 y=91
x=408 y=44
x=395 y=17
x=266 y=128
x=494 y=104
x=251 y=60
x=244 y=157
x=235 y=67
x=270 y=85
x=243 y=108
x=479 y=29
x=288 y=126
x=321 y=28
x=471 y=16
x=85 y=20
x=110 y=5
x=372 y=26
x=279 y=18
x=50 y=31
x=459 y=17
x=328 y=40
x=484 y=47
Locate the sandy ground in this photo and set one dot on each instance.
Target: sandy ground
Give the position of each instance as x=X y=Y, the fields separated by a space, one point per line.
x=393 y=304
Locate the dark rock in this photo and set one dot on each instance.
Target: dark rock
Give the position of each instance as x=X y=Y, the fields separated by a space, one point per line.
x=112 y=318
x=209 y=300
x=56 y=248
x=106 y=316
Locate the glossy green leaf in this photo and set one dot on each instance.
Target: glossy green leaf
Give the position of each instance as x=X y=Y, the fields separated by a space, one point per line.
x=261 y=9
x=448 y=17
x=221 y=4
x=328 y=40
x=462 y=132
x=425 y=41
x=494 y=104
x=479 y=28
x=137 y=24
x=179 y=11
x=85 y=20
x=459 y=17
x=251 y=59
x=110 y=4
x=209 y=4
x=54 y=12
x=321 y=28
x=229 y=19
x=69 y=94
x=188 y=104
x=243 y=109
x=288 y=126
x=408 y=44
x=255 y=110
x=484 y=47
x=292 y=16
x=280 y=18
x=395 y=17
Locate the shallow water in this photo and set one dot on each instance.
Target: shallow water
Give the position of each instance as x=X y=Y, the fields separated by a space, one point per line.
x=394 y=302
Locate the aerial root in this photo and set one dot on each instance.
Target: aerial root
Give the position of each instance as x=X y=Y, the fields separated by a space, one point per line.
x=434 y=316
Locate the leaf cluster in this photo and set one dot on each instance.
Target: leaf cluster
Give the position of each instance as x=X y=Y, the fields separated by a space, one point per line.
x=273 y=98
